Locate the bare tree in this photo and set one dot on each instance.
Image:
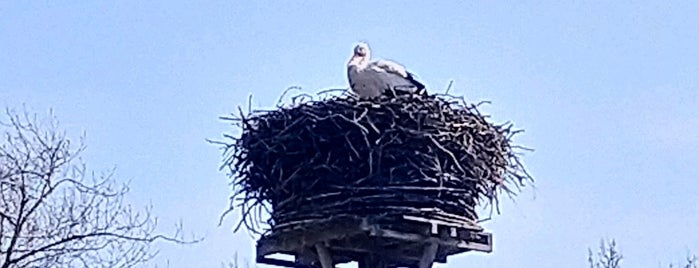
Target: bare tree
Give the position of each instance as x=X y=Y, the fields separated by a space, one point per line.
x=691 y=262
x=610 y=257
x=235 y=263
x=607 y=257
x=53 y=214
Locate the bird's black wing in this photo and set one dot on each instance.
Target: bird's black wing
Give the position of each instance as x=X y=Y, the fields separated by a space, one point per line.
x=420 y=86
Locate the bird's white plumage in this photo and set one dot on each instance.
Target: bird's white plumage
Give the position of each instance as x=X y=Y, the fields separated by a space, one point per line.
x=391 y=67
x=371 y=79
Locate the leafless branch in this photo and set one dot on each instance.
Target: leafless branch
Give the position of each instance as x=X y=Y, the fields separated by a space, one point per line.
x=52 y=214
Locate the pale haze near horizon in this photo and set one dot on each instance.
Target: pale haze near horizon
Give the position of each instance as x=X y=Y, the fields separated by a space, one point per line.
x=607 y=94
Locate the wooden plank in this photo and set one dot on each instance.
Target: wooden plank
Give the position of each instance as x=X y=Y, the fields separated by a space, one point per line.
x=290 y=242
x=387 y=253
x=434 y=221
x=441 y=241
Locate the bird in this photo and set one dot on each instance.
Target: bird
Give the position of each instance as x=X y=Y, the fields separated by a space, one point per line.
x=371 y=79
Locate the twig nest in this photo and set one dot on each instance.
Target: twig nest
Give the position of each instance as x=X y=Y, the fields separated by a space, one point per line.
x=406 y=154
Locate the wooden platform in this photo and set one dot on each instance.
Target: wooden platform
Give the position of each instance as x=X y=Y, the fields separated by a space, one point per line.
x=373 y=241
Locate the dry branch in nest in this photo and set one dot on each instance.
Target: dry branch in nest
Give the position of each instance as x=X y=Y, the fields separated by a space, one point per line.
x=405 y=154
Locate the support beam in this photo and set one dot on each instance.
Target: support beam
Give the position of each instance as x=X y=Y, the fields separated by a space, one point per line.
x=378 y=242
x=326 y=260
x=428 y=255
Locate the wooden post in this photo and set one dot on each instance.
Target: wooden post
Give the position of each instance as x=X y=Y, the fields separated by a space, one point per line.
x=428 y=255
x=326 y=260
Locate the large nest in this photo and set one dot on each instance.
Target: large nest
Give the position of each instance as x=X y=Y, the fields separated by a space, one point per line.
x=406 y=154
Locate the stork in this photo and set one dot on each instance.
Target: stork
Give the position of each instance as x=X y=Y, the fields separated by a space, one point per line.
x=372 y=79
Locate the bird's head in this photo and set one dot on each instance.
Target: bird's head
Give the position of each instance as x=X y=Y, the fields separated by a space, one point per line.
x=362 y=50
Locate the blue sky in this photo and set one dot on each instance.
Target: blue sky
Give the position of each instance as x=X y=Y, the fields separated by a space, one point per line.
x=606 y=91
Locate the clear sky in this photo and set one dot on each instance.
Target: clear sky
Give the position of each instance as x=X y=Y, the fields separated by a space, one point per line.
x=607 y=92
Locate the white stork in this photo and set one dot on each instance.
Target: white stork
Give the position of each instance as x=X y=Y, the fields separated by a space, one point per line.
x=371 y=79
